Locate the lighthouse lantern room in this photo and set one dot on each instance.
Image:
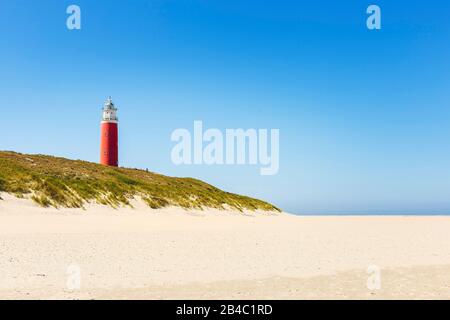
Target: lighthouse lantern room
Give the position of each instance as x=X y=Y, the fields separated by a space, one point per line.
x=109 y=153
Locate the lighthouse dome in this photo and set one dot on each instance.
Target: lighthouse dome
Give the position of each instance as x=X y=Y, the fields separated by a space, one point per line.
x=109 y=104
x=109 y=111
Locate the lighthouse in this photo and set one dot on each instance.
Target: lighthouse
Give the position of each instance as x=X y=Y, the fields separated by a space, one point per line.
x=109 y=153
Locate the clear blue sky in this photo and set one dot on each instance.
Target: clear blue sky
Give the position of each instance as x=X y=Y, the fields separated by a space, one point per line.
x=364 y=116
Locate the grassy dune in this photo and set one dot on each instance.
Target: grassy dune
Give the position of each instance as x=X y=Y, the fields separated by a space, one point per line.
x=59 y=182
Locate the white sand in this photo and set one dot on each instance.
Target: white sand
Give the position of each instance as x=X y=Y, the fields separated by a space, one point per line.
x=152 y=254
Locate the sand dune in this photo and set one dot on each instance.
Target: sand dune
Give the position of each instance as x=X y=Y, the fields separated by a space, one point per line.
x=170 y=253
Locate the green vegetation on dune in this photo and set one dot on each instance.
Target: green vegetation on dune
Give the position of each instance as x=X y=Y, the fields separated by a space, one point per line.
x=59 y=182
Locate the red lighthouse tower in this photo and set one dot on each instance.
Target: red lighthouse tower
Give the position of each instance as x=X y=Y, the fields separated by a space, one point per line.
x=109 y=153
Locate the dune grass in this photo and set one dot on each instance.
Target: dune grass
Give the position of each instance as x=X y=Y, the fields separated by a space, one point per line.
x=58 y=182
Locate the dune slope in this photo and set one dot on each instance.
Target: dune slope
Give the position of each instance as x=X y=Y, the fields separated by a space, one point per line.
x=59 y=182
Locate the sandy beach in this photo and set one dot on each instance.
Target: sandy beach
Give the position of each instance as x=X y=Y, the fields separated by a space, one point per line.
x=174 y=254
